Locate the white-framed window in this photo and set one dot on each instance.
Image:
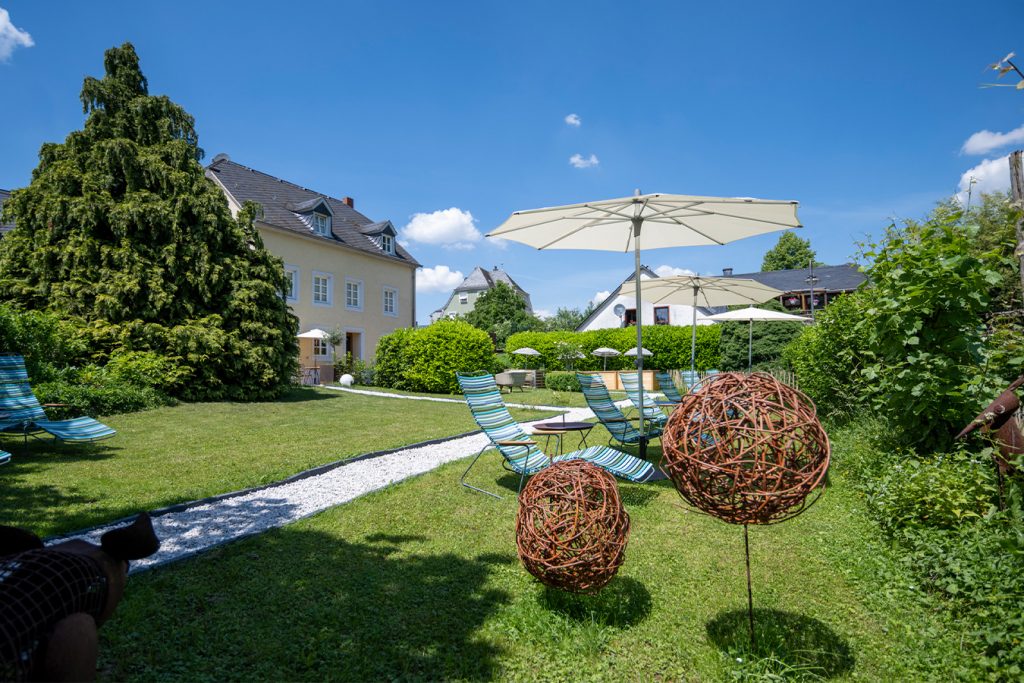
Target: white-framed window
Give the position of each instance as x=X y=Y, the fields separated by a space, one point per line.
x=321 y=349
x=353 y=294
x=463 y=298
x=390 y=302
x=321 y=224
x=387 y=243
x=322 y=287
x=291 y=291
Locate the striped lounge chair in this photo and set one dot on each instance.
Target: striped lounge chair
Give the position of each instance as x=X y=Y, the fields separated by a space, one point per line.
x=20 y=410
x=521 y=453
x=652 y=413
x=668 y=387
x=617 y=424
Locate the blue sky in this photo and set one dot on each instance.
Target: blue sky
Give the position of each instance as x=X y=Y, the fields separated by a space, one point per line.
x=860 y=111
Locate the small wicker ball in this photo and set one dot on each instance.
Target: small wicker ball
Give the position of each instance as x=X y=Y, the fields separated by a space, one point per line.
x=747 y=449
x=571 y=529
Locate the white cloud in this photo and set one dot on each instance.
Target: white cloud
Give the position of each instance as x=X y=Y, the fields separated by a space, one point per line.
x=989 y=176
x=985 y=141
x=542 y=313
x=573 y=120
x=672 y=271
x=600 y=296
x=579 y=161
x=438 y=279
x=11 y=36
x=450 y=228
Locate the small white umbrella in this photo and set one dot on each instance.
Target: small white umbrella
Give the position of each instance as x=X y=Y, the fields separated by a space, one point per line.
x=315 y=333
x=632 y=352
x=658 y=220
x=707 y=292
x=605 y=353
x=526 y=351
x=751 y=314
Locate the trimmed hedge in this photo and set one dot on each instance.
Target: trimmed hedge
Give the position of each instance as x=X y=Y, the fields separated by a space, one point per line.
x=427 y=358
x=669 y=344
x=561 y=381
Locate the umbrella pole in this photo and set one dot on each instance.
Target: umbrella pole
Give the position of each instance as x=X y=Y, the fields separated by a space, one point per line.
x=693 y=341
x=750 y=345
x=637 y=222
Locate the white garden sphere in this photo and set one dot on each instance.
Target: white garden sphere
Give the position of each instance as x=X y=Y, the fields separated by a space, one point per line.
x=346 y=380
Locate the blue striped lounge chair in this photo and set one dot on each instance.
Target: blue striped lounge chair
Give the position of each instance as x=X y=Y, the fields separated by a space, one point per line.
x=20 y=410
x=668 y=387
x=652 y=413
x=521 y=454
x=617 y=424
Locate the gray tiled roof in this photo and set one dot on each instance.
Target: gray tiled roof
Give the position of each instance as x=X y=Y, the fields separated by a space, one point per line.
x=5 y=227
x=276 y=196
x=481 y=279
x=844 y=278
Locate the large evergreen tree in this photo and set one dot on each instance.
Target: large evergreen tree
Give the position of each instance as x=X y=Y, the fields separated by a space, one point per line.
x=121 y=230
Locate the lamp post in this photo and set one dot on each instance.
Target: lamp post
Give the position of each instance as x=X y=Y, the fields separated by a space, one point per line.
x=811 y=279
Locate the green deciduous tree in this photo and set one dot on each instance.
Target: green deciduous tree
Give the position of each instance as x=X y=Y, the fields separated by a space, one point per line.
x=567 y=319
x=501 y=312
x=788 y=253
x=121 y=231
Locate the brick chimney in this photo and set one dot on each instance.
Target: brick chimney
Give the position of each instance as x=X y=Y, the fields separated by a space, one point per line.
x=349 y=202
x=726 y=272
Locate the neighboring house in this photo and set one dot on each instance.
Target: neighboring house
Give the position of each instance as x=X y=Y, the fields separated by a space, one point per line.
x=603 y=316
x=344 y=269
x=829 y=282
x=464 y=297
x=4 y=227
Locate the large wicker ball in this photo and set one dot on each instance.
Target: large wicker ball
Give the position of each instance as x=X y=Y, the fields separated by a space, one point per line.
x=571 y=529
x=746 y=448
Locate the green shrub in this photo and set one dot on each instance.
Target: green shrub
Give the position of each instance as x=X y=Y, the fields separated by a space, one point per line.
x=669 y=345
x=939 y=491
x=46 y=341
x=557 y=380
x=828 y=357
x=92 y=390
x=428 y=358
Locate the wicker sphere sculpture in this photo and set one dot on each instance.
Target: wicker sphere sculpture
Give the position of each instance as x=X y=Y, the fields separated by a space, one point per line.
x=571 y=529
x=746 y=448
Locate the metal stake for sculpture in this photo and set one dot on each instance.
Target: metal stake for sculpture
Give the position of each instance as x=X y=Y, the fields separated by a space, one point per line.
x=746 y=449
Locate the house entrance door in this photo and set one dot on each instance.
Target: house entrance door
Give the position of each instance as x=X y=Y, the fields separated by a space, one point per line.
x=354 y=345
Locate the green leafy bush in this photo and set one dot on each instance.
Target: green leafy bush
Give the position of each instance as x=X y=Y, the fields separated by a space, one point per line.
x=561 y=381
x=669 y=345
x=828 y=357
x=428 y=358
x=939 y=491
x=46 y=341
x=98 y=397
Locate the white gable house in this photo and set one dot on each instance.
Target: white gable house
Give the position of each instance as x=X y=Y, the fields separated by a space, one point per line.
x=604 y=316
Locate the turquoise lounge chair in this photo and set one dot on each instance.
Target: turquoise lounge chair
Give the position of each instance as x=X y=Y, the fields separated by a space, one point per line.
x=520 y=452
x=20 y=410
x=617 y=424
x=652 y=413
x=668 y=387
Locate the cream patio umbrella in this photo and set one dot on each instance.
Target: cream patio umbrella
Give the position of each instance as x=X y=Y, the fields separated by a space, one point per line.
x=604 y=353
x=706 y=292
x=651 y=221
x=751 y=314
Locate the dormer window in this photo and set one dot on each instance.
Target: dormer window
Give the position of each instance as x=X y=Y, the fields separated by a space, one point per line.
x=387 y=243
x=321 y=224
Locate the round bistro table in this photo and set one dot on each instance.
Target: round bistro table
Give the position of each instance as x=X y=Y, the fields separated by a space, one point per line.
x=554 y=427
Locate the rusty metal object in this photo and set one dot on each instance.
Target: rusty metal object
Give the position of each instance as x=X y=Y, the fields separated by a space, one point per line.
x=571 y=529
x=998 y=418
x=747 y=449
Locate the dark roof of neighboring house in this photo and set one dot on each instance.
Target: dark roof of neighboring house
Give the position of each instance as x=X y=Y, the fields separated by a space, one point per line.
x=5 y=227
x=844 y=278
x=283 y=202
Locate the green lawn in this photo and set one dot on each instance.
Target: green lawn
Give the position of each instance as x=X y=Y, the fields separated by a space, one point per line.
x=421 y=581
x=530 y=397
x=193 y=450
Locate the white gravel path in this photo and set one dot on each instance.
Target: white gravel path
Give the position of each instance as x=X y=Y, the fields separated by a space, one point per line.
x=204 y=526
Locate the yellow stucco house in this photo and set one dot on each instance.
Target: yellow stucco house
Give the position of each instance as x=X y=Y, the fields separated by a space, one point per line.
x=345 y=270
